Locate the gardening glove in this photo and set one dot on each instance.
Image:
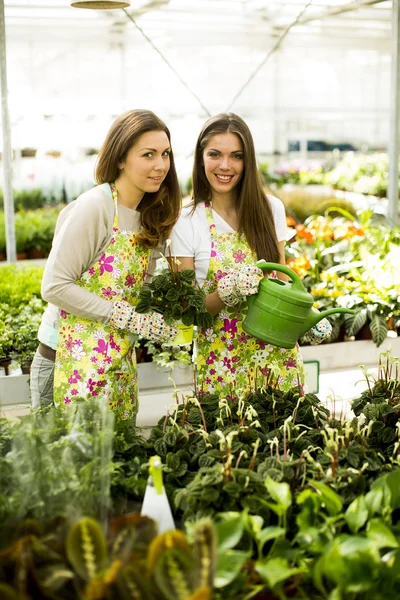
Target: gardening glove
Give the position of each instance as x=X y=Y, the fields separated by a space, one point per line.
x=150 y=326
x=238 y=283
x=317 y=334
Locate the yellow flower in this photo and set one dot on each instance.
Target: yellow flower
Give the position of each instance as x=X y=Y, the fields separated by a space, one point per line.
x=217 y=345
x=200 y=360
x=252 y=345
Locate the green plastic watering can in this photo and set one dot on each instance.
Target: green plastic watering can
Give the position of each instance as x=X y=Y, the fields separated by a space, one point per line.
x=281 y=313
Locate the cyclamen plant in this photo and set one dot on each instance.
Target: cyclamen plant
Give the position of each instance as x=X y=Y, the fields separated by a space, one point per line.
x=176 y=296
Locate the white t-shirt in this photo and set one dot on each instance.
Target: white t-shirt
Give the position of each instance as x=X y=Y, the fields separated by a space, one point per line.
x=191 y=235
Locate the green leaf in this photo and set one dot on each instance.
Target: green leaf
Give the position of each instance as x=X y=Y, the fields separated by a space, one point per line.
x=229 y=532
x=357 y=514
x=374 y=500
x=188 y=318
x=143 y=306
x=197 y=302
x=392 y=488
x=161 y=447
x=330 y=498
x=188 y=275
x=280 y=492
x=173 y=461
x=276 y=570
x=353 y=455
x=170 y=438
x=206 y=461
x=378 y=327
x=381 y=535
x=172 y=294
x=388 y=435
x=267 y=534
x=229 y=566
x=86 y=547
x=205 y=320
x=357 y=321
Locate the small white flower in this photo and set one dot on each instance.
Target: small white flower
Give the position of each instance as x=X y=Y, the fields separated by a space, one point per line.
x=116 y=272
x=79 y=327
x=99 y=335
x=259 y=357
x=77 y=352
x=210 y=335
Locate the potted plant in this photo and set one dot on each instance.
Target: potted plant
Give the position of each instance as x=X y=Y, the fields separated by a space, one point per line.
x=178 y=298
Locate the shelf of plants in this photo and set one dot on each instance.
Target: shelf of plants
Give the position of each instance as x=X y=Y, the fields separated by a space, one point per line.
x=272 y=498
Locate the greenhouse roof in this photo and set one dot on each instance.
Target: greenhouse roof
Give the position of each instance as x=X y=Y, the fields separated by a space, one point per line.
x=194 y=22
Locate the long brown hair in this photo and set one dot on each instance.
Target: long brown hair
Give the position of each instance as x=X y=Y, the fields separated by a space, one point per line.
x=256 y=220
x=159 y=211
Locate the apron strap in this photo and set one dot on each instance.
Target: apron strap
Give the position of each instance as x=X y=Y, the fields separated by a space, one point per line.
x=115 y=198
x=210 y=220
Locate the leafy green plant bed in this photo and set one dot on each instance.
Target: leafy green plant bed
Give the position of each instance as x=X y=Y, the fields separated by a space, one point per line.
x=303 y=505
x=34 y=231
x=21 y=308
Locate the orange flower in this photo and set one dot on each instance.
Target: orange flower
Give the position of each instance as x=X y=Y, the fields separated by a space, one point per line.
x=290 y=222
x=299 y=265
x=347 y=230
x=304 y=233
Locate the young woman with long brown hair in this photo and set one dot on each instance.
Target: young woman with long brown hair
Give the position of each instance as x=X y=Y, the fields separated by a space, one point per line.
x=104 y=244
x=230 y=225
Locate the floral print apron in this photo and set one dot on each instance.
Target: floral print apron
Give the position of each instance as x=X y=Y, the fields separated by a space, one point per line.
x=93 y=359
x=225 y=356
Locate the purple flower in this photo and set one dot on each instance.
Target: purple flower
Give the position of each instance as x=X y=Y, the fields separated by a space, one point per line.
x=290 y=363
x=108 y=291
x=219 y=274
x=105 y=263
x=230 y=326
x=211 y=359
x=239 y=256
x=74 y=378
x=102 y=347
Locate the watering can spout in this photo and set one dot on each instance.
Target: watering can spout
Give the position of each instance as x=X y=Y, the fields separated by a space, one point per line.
x=315 y=317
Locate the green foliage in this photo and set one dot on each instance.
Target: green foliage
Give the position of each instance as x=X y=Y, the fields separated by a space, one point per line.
x=80 y=560
x=355 y=172
x=173 y=294
x=21 y=308
x=28 y=199
x=168 y=357
x=18 y=284
x=33 y=229
x=59 y=461
x=348 y=262
x=304 y=505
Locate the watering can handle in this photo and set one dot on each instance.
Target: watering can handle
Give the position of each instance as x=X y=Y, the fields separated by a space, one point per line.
x=267 y=266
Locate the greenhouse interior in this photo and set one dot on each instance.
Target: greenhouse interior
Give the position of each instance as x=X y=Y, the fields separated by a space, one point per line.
x=200 y=300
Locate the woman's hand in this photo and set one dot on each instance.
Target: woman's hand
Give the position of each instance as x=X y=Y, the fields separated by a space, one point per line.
x=319 y=333
x=150 y=326
x=238 y=283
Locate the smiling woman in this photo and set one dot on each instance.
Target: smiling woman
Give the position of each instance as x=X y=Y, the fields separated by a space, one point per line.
x=229 y=226
x=105 y=244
